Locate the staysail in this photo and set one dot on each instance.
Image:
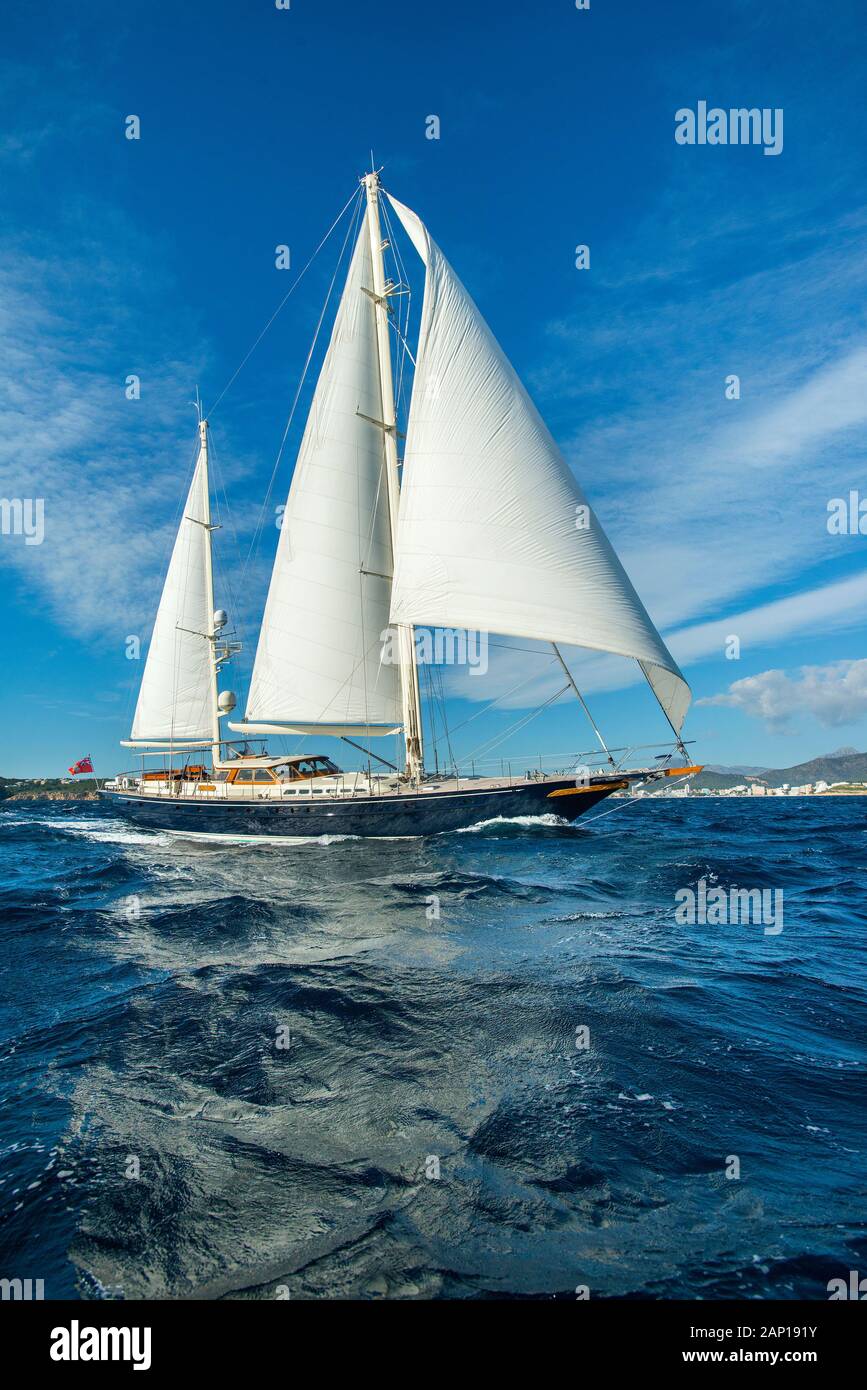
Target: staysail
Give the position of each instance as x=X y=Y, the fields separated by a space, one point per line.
x=175 y=700
x=319 y=666
x=495 y=534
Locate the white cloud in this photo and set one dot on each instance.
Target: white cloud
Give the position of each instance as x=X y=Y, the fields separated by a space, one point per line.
x=835 y=694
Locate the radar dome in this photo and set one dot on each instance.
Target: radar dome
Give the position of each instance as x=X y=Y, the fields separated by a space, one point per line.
x=226 y=701
x=221 y=617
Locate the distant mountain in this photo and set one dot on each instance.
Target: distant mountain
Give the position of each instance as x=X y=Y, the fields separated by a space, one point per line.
x=741 y=768
x=844 y=766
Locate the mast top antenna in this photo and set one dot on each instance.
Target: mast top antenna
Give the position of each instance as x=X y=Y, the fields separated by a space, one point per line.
x=203 y=424
x=372 y=178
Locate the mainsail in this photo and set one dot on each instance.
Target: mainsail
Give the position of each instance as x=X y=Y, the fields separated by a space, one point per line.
x=175 y=702
x=319 y=664
x=494 y=533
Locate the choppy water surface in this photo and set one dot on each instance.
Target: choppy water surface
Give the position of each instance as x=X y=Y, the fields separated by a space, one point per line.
x=146 y=983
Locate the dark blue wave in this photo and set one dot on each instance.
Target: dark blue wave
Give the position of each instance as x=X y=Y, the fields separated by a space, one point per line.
x=358 y=1069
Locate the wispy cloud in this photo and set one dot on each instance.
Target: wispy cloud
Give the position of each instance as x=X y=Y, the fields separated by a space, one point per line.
x=710 y=501
x=812 y=612
x=112 y=471
x=103 y=465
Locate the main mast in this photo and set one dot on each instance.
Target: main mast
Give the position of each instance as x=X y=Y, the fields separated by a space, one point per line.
x=411 y=703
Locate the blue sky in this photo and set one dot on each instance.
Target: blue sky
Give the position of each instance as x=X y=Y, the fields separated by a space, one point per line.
x=156 y=257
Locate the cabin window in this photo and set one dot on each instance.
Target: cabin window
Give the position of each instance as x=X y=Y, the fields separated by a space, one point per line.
x=253 y=774
x=314 y=767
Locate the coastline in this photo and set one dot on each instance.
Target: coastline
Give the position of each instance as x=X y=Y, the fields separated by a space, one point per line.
x=49 y=796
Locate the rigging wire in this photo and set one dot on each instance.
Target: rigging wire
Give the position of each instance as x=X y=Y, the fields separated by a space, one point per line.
x=260 y=523
x=629 y=801
x=406 y=350
x=403 y=279
x=289 y=292
x=497 y=699
x=439 y=684
x=513 y=728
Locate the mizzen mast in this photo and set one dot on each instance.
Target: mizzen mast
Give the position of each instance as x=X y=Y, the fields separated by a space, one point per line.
x=411 y=704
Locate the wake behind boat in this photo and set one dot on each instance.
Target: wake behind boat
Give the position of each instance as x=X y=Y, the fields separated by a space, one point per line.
x=481 y=527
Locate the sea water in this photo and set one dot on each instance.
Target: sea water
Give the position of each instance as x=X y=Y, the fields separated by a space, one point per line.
x=482 y=1064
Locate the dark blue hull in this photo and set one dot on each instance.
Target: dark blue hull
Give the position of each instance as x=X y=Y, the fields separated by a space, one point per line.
x=410 y=813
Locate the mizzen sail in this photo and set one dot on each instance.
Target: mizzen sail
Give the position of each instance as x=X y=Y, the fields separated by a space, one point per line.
x=175 y=700
x=495 y=533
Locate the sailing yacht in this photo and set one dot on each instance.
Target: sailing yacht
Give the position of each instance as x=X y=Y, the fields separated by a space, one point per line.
x=481 y=527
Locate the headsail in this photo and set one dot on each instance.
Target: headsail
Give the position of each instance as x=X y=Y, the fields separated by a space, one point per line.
x=175 y=700
x=492 y=534
x=318 y=664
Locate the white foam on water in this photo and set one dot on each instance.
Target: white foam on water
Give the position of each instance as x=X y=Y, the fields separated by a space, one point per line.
x=548 y=819
x=214 y=837
x=106 y=832
x=118 y=832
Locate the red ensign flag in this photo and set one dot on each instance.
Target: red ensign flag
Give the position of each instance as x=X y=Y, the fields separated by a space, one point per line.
x=84 y=766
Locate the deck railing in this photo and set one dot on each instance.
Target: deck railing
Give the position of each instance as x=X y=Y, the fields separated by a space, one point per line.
x=358 y=782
